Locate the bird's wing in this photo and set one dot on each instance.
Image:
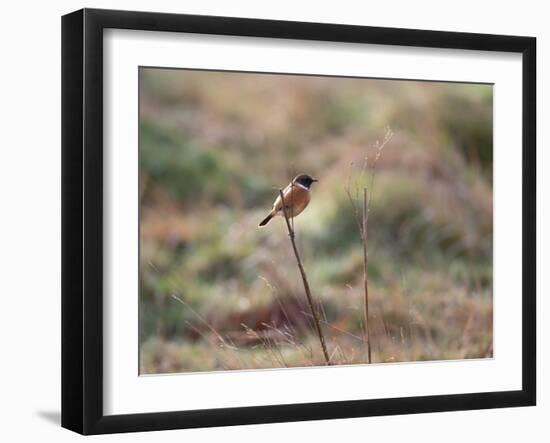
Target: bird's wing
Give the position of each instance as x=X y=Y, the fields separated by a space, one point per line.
x=277 y=205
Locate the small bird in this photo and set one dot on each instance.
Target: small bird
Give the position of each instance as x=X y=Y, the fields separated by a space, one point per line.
x=296 y=198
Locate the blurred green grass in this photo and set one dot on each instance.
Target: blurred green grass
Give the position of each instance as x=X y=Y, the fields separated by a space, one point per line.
x=215 y=147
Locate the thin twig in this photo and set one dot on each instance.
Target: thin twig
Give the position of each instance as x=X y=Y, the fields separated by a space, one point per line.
x=365 y=272
x=362 y=217
x=314 y=311
x=337 y=329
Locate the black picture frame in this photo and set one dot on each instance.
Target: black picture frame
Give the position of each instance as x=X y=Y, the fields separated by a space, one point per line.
x=82 y=220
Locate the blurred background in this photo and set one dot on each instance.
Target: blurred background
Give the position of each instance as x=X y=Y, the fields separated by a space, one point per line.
x=217 y=293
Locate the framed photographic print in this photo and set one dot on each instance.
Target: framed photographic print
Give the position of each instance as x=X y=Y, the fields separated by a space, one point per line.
x=269 y=221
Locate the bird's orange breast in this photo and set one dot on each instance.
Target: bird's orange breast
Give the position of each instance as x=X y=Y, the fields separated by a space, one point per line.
x=296 y=200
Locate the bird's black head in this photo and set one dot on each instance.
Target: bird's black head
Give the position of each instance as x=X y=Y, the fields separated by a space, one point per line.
x=304 y=180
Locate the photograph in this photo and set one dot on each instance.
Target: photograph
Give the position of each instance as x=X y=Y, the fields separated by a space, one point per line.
x=298 y=220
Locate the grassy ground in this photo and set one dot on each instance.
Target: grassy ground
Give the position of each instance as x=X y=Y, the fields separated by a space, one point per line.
x=219 y=293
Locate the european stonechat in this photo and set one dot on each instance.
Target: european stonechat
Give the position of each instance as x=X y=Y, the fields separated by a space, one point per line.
x=296 y=198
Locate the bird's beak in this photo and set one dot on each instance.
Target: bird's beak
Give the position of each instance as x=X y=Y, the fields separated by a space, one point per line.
x=314 y=179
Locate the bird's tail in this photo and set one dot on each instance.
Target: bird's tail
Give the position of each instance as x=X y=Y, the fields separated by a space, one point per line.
x=265 y=221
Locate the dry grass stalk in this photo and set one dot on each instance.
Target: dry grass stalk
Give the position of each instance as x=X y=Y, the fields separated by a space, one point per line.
x=365 y=272
x=314 y=311
x=362 y=224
